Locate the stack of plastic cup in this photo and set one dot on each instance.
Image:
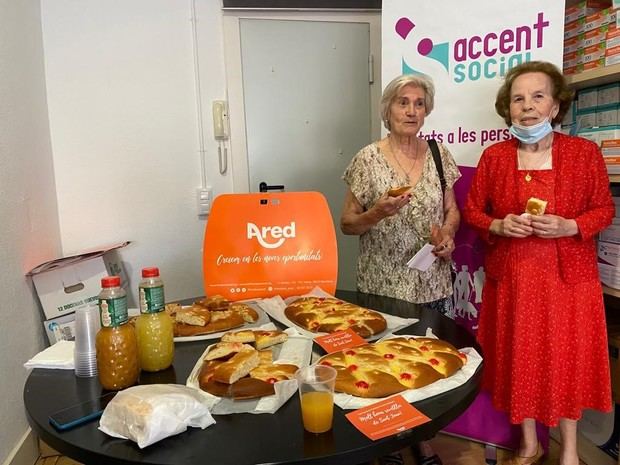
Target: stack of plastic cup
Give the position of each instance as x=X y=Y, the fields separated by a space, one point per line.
x=85 y=354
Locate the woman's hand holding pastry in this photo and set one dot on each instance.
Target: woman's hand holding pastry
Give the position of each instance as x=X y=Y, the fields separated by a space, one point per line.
x=513 y=226
x=390 y=206
x=553 y=226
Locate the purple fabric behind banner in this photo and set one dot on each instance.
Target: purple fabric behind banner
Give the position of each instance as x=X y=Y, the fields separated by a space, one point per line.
x=480 y=422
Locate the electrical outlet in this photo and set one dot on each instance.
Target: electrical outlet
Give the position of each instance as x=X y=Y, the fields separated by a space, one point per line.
x=203 y=200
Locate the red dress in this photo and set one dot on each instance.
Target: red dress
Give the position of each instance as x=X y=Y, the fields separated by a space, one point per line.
x=544 y=339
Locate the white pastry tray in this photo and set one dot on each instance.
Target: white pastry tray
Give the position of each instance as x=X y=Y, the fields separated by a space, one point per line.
x=296 y=350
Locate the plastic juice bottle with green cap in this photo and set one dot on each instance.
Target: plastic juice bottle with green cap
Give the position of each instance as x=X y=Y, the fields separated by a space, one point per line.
x=116 y=342
x=153 y=326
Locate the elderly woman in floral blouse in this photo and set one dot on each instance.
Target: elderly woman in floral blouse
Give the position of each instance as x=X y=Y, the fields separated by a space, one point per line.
x=393 y=229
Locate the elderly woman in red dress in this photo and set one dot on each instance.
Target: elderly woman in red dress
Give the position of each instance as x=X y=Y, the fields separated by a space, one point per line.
x=542 y=322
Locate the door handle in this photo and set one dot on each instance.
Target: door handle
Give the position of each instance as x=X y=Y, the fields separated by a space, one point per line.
x=264 y=187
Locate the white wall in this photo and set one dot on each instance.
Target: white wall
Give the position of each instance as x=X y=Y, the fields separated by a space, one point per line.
x=29 y=231
x=122 y=109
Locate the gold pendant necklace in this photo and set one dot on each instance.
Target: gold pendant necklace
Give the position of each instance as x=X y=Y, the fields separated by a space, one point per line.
x=528 y=176
x=415 y=159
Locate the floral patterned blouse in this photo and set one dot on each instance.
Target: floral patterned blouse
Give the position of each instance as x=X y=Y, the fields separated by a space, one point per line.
x=386 y=248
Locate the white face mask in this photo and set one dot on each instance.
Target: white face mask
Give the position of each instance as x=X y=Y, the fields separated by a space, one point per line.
x=531 y=134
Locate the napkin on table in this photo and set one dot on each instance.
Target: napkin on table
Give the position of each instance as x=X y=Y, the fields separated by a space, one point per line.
x=59 y=356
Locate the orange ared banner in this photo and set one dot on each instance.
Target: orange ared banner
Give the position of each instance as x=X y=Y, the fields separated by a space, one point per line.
x=261 y=245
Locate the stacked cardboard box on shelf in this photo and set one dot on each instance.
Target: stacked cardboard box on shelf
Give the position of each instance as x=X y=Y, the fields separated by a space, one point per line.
x=591 y=38
x=597 y=113
x=611 y=154
x=608 y=247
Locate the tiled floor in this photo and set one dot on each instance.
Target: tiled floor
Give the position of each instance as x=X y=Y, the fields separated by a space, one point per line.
x=453 y=451
x=456 y=451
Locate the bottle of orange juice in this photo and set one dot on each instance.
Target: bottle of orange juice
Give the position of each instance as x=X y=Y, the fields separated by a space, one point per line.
x=116 y=344
x=153 y=326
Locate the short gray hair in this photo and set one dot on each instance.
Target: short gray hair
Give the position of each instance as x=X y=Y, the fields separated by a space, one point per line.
x=393 y=88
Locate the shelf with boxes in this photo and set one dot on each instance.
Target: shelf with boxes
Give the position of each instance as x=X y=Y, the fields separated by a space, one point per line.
x=592 y=68
x=591 y=41
x=595 y=77
x=598 y=433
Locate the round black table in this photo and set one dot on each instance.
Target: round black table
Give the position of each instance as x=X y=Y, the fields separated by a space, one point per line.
x=244 y=438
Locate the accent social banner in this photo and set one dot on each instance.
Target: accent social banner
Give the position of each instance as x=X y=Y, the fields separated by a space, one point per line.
x=467 y=48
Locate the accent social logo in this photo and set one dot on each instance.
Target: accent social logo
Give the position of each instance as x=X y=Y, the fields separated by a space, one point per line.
x=479 y=57
x=266 y=235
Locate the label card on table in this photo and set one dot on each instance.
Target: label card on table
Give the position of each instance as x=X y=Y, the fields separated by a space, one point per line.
x=386 y=418
x=340 y=340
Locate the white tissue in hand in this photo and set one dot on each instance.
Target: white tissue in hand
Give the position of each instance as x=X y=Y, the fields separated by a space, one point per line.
x=146 y=414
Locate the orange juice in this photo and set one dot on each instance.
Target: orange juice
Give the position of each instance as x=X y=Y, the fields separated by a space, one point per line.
x=317 y=410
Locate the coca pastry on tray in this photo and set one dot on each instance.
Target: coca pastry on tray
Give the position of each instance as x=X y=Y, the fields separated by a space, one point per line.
x=328 y=315
x=242 y=371
x=393 y=365
x=210 y=315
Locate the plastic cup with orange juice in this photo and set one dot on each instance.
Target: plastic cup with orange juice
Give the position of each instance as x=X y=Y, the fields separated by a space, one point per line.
x=316 y=395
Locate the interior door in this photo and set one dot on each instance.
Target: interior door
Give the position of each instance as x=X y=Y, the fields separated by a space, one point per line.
x=307 y=110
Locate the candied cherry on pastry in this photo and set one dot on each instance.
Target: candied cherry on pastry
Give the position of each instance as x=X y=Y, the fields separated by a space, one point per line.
x=350 y=352
x=388 y=356
x=424 y=348
x=352 y=367
x=362 y=385
x=433 y=361
x=407 y=376
x=326 y=363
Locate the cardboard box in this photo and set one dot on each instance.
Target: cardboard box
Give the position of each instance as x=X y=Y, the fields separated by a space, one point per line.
x=590 y=65
x=610 y=275
x=612 y=55
x=608 y=253
x=572 y=44
x=574 y=28
x=587 y=98
x=599 y=18
x=609 y=94
x=598 y=135
x=586 y=118
x=613 y=167
x=570 y=70
x=603 y=429
x=570 y=60
x=612 y=38
x=66 y=284
x=610 y=234
x=584 y=8
x=611 y=155
x=592 y=37
x=591 y=53
x=61 y=328
x=607 y=115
